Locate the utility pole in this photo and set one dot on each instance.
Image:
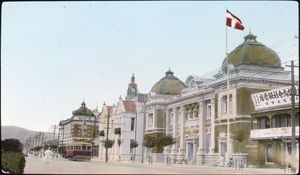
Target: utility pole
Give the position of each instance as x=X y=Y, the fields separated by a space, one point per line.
x=39 y=138
x=54 y=132
x=106 y=145
x=135 y=130
x=42 y=138
x=293 y=93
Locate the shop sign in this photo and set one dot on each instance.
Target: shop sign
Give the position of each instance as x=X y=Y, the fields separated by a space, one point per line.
x=274 y=98
x=273 y=133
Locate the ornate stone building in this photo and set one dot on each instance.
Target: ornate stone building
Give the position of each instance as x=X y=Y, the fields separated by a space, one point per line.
x=126 y=122
x=271 y=127
x=212 y=117
x=82 y=126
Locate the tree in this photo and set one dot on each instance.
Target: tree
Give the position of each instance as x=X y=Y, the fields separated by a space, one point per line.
x=157 y=141
x=101 y=133
x=119 y=142
x=118 y=131
x=167 y=140
x=239 y=136
x=108 y=143
x=133 y=144
x=11 y=145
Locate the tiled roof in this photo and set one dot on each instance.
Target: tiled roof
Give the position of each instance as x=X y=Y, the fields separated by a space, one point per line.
x=129 y=106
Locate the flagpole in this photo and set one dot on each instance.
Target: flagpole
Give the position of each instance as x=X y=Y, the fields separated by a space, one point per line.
x=228 y=146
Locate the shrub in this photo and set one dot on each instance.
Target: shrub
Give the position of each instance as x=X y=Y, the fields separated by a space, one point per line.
x=157 y=141
x=101 y=133
x=167 y=140
x=11 y=145
x=119 y=142
x=118 y=131
x=13 y=162
x=133 y=144
x=108 y=143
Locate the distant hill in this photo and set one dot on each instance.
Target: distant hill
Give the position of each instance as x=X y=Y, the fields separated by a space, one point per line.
x=20 y=133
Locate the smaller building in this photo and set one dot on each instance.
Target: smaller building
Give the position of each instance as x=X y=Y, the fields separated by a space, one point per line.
x=82 y=126
x=126 y=126
x=271 y=127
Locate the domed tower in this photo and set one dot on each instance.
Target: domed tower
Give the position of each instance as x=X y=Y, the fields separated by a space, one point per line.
x=83 y=110
x=252 y=52
x=155 y=124
x=168 y=85
x=132 y=90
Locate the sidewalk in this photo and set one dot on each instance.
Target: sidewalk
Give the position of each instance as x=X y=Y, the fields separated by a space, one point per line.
x=199 y=168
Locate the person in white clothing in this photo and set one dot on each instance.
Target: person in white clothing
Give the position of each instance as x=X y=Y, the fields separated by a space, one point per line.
x=48 y=155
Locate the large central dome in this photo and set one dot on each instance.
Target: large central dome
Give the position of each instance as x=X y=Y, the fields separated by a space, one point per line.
x=251 y=52
x=168 y=85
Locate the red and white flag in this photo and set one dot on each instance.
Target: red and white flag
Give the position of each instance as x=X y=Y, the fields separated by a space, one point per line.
x=233 y=21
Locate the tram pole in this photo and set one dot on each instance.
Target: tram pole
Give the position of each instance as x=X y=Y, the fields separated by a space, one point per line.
x=106 y=145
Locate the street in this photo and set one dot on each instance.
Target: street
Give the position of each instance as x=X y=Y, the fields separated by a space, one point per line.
x=36 y=165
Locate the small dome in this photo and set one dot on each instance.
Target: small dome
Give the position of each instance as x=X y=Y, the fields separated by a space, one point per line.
x=169 y=85
x=251 y=52
x=83 y=110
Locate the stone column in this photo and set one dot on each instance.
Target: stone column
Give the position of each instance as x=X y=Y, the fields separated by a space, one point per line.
x=200 y=151
x=182 y=153
x=174 y=147
x=194 y=152
x=228 y=134
x=212 y=127
x=167 y=148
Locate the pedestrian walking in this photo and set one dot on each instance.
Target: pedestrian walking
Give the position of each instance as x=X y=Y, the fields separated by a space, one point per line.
x=48 y=155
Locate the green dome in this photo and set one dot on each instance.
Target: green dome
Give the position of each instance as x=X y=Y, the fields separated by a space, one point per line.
x=83 y=110
x=169 y=85
x=251 y=52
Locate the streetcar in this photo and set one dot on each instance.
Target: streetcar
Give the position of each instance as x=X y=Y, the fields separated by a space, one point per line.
x=78 y=151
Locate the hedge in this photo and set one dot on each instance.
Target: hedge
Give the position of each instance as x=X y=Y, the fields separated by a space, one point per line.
x=13 y=162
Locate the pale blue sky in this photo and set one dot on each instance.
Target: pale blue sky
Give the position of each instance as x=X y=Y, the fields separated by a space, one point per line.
x=54 y=54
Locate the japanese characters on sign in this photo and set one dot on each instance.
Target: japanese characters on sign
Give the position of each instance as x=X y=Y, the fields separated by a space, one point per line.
x=274 y=98
x=273 y=133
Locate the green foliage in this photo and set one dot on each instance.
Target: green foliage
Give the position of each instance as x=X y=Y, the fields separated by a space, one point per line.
x=11 y=145
x=101 y=133
x=149 y=141
x=118 y=131
x=61 y=149
x=37 y=148
x=157 y=141
x=133 y=144
x=108 y=143
x=13 y=162
x=239 y=136
x=167 y=140
x=119 y=142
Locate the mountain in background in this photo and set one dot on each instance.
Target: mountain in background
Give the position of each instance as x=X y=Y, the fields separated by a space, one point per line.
x=21 y=133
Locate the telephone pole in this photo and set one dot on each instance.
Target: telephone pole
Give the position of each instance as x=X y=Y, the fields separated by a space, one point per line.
x=293 y=94
x=106 y=145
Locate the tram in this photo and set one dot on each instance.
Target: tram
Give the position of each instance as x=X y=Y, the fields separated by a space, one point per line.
x=78 y=151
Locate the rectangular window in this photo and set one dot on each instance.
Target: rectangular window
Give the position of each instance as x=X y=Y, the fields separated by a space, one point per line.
x=208 y=112
x=230 y=104
x=224 y=104
x=132 y=124
x=150 y=120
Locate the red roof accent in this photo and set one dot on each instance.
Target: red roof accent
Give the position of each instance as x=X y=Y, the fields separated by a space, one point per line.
x=129 y=106
x=109 y=109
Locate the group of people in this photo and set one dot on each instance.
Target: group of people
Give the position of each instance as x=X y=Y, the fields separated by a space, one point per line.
x=221 y=162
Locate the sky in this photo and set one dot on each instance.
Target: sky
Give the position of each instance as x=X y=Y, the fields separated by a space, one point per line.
x=54 y=55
